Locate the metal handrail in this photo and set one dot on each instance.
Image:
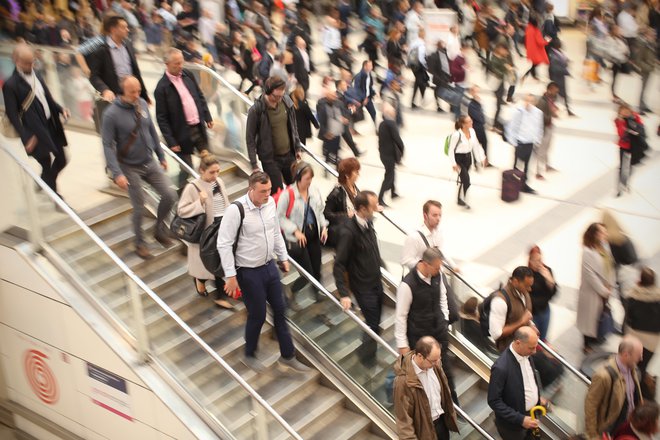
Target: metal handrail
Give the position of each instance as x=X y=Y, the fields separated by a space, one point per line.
x=118 y=261
x=377 y=337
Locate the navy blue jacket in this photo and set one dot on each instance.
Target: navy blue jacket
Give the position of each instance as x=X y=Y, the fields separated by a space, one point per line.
x=506 y=392
x=360 y=86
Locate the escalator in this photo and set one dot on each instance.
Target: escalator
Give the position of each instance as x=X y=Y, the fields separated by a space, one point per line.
x=344 y=399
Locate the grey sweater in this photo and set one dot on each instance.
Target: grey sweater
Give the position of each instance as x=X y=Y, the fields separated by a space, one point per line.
x=118 y=122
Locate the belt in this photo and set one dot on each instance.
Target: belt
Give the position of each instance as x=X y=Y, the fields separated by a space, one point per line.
x=438 y=420
x=256 y=267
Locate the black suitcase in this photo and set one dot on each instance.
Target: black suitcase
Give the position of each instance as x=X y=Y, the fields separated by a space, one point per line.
x=512 y=182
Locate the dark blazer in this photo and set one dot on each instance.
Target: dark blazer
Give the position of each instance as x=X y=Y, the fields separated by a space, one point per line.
x=102 y=68
x=439 y=76
x=50 y=136
x=390 y=145
x=476 y=113
x=506 y=392
x=299 y=71
x=304 y=120
x=169 y=111
x=322 y=112
x=264 y=65
x=360 y=85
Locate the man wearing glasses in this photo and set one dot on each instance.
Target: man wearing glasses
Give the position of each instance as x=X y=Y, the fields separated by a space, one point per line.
x=422 y=402
x=272 y=134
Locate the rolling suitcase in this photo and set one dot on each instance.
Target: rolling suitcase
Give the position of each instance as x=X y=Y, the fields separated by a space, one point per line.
x=512 y=182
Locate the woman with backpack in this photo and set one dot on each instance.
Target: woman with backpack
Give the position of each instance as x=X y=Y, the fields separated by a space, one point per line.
x=304 y=227
x=207 y=196
x=463 y=145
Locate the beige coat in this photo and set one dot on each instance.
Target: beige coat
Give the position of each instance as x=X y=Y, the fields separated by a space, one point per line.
x=595 y=288
x=190 y=205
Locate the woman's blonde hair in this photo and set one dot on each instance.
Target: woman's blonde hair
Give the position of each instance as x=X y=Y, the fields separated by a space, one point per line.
x=207 y=160
x=297 y=95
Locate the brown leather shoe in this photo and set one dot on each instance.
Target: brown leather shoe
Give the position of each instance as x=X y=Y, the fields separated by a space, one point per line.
x=143 y=252
x=163 y=240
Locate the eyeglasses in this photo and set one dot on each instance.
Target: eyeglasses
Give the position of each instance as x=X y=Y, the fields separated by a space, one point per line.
x=274 y=96
x=432 y=361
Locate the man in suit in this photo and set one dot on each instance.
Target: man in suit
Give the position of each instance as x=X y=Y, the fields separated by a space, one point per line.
x=425 y=305
x=363 y=84
x=302 y=64
x=267 y=60
x=331 y=124
x=476 y=113
x=181 y=111
x=39 y=125
x=113 y=60
x=513 y=389
x=438 y=67
x=390 y=147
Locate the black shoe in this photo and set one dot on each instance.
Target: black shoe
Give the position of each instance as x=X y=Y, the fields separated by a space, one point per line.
x=203 y=292
x=395 y=196
x=526 y=189
x=413 y=106
x=383 y=204
x=163 y=239
x=440 y=110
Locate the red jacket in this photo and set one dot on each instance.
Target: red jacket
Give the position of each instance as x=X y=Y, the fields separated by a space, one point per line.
x=535 y=44
x=625 y=432
x=624 y=140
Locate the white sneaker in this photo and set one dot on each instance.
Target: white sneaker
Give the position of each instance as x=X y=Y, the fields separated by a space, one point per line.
x=294 y=364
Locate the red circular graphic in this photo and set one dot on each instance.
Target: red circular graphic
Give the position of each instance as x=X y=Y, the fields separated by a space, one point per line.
x=41 y=377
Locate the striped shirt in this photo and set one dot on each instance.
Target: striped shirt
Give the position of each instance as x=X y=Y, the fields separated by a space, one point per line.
x=219 y=204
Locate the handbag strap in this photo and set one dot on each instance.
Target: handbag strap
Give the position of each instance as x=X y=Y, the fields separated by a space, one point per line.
x=27 y=102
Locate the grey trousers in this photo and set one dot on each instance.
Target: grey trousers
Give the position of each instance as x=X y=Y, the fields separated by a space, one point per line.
x=152 y=173
x=542 y=150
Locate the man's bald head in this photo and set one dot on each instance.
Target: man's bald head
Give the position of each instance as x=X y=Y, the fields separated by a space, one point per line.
x=525 y=340
x=630 y=351
x=23 y=56
x=130 y=89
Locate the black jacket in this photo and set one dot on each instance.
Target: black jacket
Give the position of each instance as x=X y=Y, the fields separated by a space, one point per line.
x=335 y=212
x=541 y=294
x=169 y=111
x=50 y=136
x=102 y=70
x=304 y=120
x=299 y=71
x=358 y=255
x=440 y=77
x=322 y=107
x=643 y=309
x=506 y=391
x=476 y=113
x=258 y=134
x=390 y=145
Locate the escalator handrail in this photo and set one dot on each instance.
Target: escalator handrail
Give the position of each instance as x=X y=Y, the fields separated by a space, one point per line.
x=130 y=274
x=377 y=338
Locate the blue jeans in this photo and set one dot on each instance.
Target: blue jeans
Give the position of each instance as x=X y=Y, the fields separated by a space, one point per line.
x=542 y=321
x=261 y=285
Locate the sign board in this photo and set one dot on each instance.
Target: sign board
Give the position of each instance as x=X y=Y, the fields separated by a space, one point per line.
x=109 y=391
x=437 y=23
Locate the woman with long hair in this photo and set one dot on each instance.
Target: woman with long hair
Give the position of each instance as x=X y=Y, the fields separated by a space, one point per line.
x=464 y=148
x=339 y=204
x=304 y=116
x=205 y=195
x=597 y=283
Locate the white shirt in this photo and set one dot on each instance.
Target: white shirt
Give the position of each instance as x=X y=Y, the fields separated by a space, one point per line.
x=529 y=381
x=526 y=126
x=413 y=22
x=39 y=91
x=453 y=46
x=404 y=301
x=259 y=237
x=206 y=27
x=305 y=56
x=331 y=39
x=459 y=143
x=414 y=246
x=628 y=25
x=432 y=388
x=497 y=317
x=421 y=51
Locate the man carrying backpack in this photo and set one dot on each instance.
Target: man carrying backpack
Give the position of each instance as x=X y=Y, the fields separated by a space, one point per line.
x=509 y=308
x=614 y=391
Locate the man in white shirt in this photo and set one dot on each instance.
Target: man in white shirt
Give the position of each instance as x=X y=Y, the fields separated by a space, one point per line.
x=513 y=389
x=511 y=307
x=331 y=41
x=422 y=405
x=453 y=43
x=414 y=21
x=425 y=306
x=256 y=235
x=524 y=131
x=428 y=235
x=628 y=24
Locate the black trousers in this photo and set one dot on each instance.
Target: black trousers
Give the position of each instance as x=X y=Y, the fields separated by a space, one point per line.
x=388 y=179
x=499 y=95
x=371 y=304
x=348 y=138
x=51 y=166
x=421 y=81
x=199 y=144
x=279 y=171
x=524 y=153
x=309 y=257
x=508 y=433
x=464 y=161
x=646 y=358
x=441 y=429
x=448 y=368
x=532 y=70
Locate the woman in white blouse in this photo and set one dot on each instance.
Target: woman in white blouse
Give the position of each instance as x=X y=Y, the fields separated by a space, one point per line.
x=463 y=149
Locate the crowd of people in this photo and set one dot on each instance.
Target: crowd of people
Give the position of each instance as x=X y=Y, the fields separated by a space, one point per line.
x=257 y=235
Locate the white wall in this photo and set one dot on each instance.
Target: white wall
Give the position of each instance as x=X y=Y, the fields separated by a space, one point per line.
x=35 y=317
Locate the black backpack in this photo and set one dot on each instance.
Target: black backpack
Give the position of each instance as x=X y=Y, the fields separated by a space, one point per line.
x=484 y=310
x=208 y=244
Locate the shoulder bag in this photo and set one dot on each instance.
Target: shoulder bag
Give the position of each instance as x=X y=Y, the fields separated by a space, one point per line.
x=189 y=229
x=7 y=129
